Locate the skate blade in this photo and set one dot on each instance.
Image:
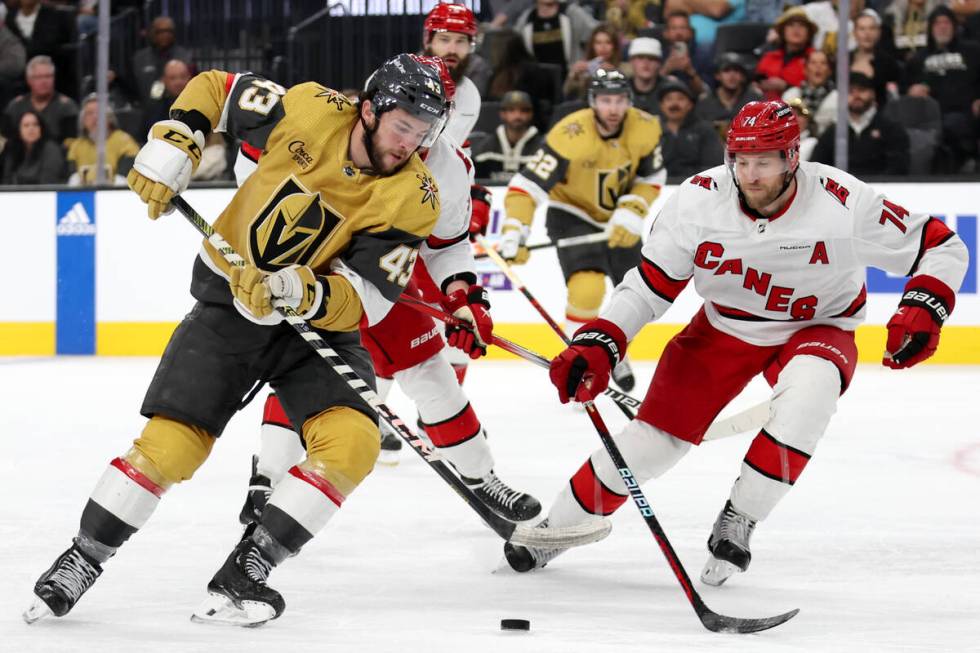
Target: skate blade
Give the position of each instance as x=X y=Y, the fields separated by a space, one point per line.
x=219 y=610
x=37 y=610
x=389 y=458
x=717 y=571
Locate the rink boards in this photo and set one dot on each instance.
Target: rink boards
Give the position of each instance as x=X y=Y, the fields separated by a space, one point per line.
x=87 y=273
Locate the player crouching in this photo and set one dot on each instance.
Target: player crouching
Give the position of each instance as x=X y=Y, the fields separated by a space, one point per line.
x=778 y=250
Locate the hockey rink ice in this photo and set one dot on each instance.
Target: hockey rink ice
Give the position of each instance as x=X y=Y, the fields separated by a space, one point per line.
x=878 y=544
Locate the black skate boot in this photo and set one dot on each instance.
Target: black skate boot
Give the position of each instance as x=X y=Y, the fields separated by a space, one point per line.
x=391 y=445
x=525 y=558
x=729 y=546
x=622 y=376
x=59 y=588
x=503 y=499
x=238 y=594
x=259 y=489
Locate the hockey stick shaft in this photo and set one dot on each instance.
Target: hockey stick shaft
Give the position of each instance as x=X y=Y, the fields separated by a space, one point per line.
x=501 y=526
x=509 y=272
x=748 y=420
x=710 y=619
x=571 y=241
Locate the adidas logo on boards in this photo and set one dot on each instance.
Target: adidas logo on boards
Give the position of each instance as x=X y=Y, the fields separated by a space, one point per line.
x=76 y=222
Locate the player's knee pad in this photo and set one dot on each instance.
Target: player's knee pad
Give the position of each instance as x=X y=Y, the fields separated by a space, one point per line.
x=433 y=387
x=586 y=289
x=169 y=451
x=342 y=445
x=804 y=399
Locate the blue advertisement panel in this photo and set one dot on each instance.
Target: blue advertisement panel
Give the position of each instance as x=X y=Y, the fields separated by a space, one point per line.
x=75 y=302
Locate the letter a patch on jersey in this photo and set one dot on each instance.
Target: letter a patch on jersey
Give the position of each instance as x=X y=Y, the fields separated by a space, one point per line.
x=819 y=254
x=291 y=227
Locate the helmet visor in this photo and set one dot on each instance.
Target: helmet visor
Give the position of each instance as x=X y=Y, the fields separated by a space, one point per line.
x=422 y=130
x=751 y=168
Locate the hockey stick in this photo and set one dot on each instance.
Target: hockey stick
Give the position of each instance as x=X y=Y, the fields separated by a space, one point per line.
x=711 y=620
x=508 y=530
x=751 y=419
x=508 y=271
x=571 y=241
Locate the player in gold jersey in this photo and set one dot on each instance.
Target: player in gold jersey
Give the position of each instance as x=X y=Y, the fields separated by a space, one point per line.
x=330 y=221
x=599 y=169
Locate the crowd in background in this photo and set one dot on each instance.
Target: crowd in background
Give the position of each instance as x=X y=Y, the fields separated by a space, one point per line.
x=913 y=101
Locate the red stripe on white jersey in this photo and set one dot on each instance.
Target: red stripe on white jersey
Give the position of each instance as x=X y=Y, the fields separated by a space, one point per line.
x=137 y=476
x=856 y=305
x=659 y=282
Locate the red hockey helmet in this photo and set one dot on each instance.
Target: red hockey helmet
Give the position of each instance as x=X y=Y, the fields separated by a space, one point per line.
x=765 y=127
x=450 y=17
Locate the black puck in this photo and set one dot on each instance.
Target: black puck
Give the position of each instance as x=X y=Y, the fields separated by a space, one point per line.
x=515 y=624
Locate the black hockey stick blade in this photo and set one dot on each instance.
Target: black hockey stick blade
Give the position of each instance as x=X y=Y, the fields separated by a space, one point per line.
x=719 y=623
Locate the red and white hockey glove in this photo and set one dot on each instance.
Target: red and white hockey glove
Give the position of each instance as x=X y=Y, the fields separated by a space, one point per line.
x=582 y=371
x=480 y=199
x=913 y=331
x=471 y=306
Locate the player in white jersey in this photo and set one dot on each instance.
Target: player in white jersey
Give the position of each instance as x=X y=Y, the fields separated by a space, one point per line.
x=449 y=32
x=778 y=249
x=406 y=346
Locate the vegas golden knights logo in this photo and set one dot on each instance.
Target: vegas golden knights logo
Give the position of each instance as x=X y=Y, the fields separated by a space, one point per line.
x=290 y=228
x=611 y=184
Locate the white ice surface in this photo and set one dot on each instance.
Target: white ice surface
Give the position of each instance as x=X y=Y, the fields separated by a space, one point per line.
x=878 y=544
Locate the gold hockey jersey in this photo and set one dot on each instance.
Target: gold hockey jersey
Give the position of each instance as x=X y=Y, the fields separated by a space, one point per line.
x=306 y=203
x=588 y=175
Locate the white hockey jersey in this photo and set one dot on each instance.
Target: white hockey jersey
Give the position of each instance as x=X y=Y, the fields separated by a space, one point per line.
x=447 y=253
x=764 y=279
x=466 y=110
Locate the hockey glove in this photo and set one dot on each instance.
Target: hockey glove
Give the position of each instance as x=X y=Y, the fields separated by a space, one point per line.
x=582 y=371
x=480 y=199
x=164 y=165
x=471 y=306
x=513 y=242
x=624 y=228
x=254 y=291
x=913 y=331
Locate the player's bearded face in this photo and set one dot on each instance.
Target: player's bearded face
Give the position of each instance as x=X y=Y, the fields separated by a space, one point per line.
x=454 y=49
x=610 y=110
x=761 y=176
x=392 y=140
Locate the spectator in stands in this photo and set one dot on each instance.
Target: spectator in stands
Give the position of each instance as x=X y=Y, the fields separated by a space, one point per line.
x=515 y=69
x=732 y=92
x=31 y=157
x=817 y=90
x=47 y=31
x=630 y=16
x=503 y=153
x=908 y=20
x=602 y=51
x=646 y=58
x=148 y=63
x=682 y=50
x=870 y=58
x=13 y=57
x=176 y=74
x=120 y=148
x=948 y=70
x=784 y=67
x=807 y=139
x=705 y=17
x=555 y=32
x=875 y=144
x=767 y=11
x=689 y=144
x=59 y=112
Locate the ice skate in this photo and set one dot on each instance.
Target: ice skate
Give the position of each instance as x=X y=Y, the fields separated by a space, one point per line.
x=525 y=558
x=504 y=500
x=59 y=588
x=622 y=376
x=391 y=446
x=729 y=546
x=259 y=489
x=238 y=594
